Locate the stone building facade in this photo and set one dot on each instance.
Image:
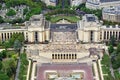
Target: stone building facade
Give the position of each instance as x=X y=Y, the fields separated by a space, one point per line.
x=89 y=29
x=99 y=4
x=34 y=30
x=111 y=14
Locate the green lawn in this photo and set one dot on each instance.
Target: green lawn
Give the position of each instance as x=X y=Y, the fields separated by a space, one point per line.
x=12 y=54
x=105 y=70
x=117 y=75
x=105 y=60
x=72 y=19
x=23 y=66
x=107 y=77
x=9 y=64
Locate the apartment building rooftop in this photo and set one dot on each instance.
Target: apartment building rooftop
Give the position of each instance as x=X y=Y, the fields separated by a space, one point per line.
x=112 y=10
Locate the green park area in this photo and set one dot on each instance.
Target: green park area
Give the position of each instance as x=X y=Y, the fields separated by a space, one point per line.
x=23 y=67
x=9 y=58
x=113 y=60
x=106 y=67
x=72 y=19
x=8 y=64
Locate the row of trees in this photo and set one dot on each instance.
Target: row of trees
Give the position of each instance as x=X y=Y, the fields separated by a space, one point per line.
x=110 y=23
x=33 y=11
x=31 y=3
x=7 y=65
x=97 y=12
x=23 y=66
x=115 y=56
x=15 y=41
x=8 y=59
x=58 y=12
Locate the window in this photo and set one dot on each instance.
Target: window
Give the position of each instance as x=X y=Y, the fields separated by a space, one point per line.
x=91 y=36
x=104 y=34
x=52 y=56
x=36 y=36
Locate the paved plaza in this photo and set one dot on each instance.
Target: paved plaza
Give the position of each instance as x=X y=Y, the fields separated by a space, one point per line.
x=64 y=57
x=64 y=70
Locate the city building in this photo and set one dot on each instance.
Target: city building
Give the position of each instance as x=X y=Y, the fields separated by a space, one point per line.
x=37 y=29
x=50 y=2
x=77 y=2
x=111 y=14
x=64 y=56
x=34 y=30
x=91 y=30
x=72 y=2
x=99 y=4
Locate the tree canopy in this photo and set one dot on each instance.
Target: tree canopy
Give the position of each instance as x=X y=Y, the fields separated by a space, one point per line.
x=3 y=76
x=11 y=12
x=17 y=45
x=1 y=19
x=110 y=49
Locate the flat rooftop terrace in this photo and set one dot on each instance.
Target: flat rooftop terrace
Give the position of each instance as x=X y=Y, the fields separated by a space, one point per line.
x=63 y=27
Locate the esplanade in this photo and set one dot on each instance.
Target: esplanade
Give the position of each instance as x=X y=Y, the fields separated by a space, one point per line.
x=55 y=46
x=37 y=29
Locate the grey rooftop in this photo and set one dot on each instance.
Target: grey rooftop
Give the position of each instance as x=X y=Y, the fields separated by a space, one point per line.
x=112 y=10
x=63 y=27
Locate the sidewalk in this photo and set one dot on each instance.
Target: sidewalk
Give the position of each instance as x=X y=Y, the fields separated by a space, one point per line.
x=28 y=71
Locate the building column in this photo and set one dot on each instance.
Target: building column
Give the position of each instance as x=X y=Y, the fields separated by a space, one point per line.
x=43 y=36
x=6 y=36
x=106 y=35
x=30 y=37
x=40 y=36
x=47 y=34
x=96 y=36
x=102 y=35
x=109 y=35
x=0 y=36
x=3 y=37
x=112 y=33
x=117 y=35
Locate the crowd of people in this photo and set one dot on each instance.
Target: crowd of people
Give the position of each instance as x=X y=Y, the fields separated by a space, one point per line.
x=64 y=36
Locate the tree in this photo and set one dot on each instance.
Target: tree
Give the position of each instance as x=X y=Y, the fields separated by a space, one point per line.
x=3 y=54
x=6 y=45
x=106 y=60
x=25 y=11
x=110 y=49
x=9 y=67
x=17 y=45
x=0 y=6
x=1 y=19
x=116 y=62
x=112 y=40
x=11 y=12
x=18 y=20
x=118 y=48
x=21 y=37
x=1 y=65
x=3 y=76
